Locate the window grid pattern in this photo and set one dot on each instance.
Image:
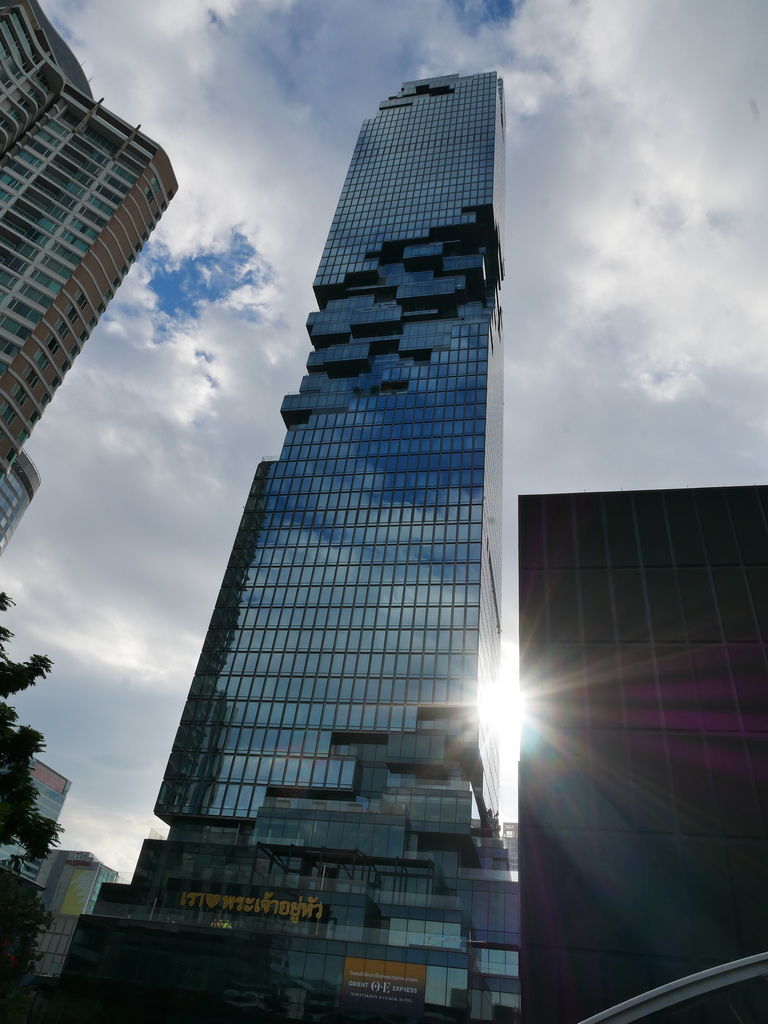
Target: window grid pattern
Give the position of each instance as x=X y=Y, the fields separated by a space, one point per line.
x=330 y=742
x=371 y=540
x=17 y=488
x=645 y=667
x=77 y=201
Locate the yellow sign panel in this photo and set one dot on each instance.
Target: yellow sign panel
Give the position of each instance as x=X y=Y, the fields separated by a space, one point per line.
x=78 y=891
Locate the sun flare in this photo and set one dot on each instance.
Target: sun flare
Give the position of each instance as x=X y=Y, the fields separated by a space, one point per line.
x=501 y=706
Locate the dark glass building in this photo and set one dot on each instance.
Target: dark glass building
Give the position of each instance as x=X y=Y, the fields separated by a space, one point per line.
x=644 y=768
x=322 y=863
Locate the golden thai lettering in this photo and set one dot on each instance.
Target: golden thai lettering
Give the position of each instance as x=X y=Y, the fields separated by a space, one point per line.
x=268 y=903
x=310 y=905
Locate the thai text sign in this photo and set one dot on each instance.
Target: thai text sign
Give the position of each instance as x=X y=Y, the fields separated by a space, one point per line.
x=383 y=986
x=268 y=904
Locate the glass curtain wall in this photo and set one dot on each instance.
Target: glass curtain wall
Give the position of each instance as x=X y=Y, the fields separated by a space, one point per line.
x=330 y=759
x=643 y=799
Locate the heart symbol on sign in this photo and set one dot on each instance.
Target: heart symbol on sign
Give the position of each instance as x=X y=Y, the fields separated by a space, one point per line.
x=212 y=900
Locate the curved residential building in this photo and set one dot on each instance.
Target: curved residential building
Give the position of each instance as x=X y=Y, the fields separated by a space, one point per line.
x=80 y=191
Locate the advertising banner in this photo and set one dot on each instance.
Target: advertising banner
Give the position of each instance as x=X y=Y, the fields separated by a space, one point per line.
x=79 y=889
x=383 y=986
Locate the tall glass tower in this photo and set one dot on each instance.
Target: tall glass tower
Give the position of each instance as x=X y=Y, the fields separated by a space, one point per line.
x=80 y=191
x=323 y=859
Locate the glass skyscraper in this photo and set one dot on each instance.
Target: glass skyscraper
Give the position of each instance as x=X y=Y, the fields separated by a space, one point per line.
x=52 y=789
x=80 y=192
x=322 y=861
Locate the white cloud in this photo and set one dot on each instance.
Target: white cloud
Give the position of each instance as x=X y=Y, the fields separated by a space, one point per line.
x=635 y=308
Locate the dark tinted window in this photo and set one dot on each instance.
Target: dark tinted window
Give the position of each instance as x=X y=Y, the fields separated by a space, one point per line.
x=631 y=622
x=590 y=534
x=596 y=605
x=654 y=544
x=750 y=524
x=687 y=545
x=733 y=599
x=719 y=539
x=622 y=543
x=559 y=540
x=698 y=601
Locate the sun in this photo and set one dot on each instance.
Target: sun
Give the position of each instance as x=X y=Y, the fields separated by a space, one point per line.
x=502 y=703
x=501 y=710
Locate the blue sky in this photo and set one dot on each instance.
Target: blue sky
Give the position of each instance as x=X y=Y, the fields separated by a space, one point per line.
x=634 y=307
x=205 y=277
